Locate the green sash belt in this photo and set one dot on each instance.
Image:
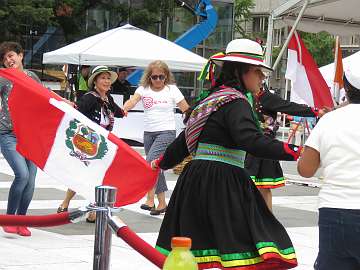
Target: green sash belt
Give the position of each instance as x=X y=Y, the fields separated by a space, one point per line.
x=219 y=153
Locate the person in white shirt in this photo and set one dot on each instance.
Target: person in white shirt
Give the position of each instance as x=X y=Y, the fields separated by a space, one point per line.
x=159 y=96
x=335 y=146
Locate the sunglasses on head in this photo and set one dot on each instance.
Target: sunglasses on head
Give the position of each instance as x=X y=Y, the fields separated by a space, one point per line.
x=157 y=77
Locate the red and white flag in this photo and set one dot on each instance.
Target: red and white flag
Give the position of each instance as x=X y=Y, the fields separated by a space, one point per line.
x=70 y=147
x=339 y=71
x=307 y=84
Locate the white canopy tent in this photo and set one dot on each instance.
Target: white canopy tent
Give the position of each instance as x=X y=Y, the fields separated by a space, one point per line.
x=126 y=46
x=338 y=17
x=328 y=71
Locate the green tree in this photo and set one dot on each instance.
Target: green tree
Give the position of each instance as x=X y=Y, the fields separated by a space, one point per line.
x=18 y=17
x=321 y=46
x=70 y=16
x=242 y=13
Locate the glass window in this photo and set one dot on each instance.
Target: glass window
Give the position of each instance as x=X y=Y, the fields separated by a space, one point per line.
x=223 y=33
x=97 y=20
x=181 y=21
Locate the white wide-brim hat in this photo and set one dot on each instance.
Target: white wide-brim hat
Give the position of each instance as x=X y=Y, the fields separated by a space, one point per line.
x=353 y=77
x=101 y=69
x=242 y=51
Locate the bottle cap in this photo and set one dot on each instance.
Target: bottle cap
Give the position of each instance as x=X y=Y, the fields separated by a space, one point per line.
x=181 y=242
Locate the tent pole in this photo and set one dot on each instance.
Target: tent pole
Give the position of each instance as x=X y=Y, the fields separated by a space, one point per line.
x=278 y=59
x=269 y=41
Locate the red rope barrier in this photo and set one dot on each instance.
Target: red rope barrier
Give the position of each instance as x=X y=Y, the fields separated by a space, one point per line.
x=35 y=221
x=133 y=240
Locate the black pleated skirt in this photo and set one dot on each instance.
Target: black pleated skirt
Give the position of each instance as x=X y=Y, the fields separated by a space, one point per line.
x=266 y=173
x=218 y=206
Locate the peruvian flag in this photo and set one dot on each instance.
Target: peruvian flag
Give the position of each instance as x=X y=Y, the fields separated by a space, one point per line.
x=307 y=84
x=70 y=147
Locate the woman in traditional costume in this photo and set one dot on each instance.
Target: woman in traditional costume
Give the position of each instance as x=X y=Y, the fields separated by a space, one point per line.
x=215 y=202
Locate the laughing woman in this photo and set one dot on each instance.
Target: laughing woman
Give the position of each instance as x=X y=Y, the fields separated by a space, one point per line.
x=22 y=188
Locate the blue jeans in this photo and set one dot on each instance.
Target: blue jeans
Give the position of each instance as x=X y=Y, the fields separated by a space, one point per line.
x=22 y=188
x=339 y=239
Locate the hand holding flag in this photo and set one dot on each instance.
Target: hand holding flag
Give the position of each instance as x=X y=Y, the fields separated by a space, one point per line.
x=70 y=147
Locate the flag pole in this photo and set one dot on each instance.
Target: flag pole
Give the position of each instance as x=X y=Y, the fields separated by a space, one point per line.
x=269 y=41
x=278 y=59
x=284 y=116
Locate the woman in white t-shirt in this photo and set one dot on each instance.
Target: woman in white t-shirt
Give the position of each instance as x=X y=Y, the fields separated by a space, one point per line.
x=335 y=146
x=159 y=96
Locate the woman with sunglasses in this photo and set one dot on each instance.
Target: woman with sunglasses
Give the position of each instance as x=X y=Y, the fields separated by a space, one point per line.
x=159 y=97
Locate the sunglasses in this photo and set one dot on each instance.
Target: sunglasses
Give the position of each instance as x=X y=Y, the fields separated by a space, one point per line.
x=157 y=77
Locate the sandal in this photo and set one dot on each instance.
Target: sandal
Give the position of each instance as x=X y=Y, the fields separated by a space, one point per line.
x=147 y=207
x=156 y=212
x=61 y=209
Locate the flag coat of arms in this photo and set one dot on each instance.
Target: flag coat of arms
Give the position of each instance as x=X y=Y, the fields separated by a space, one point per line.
x=70 y=147
x=307 y=84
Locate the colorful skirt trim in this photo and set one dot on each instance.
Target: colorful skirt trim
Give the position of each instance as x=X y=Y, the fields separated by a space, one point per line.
x=267 y=251
x=219 y=207
x=268 y=182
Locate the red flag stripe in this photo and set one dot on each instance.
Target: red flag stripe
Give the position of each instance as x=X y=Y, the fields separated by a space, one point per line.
x=124 y=170
x=41 y=142
x=320 y=91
